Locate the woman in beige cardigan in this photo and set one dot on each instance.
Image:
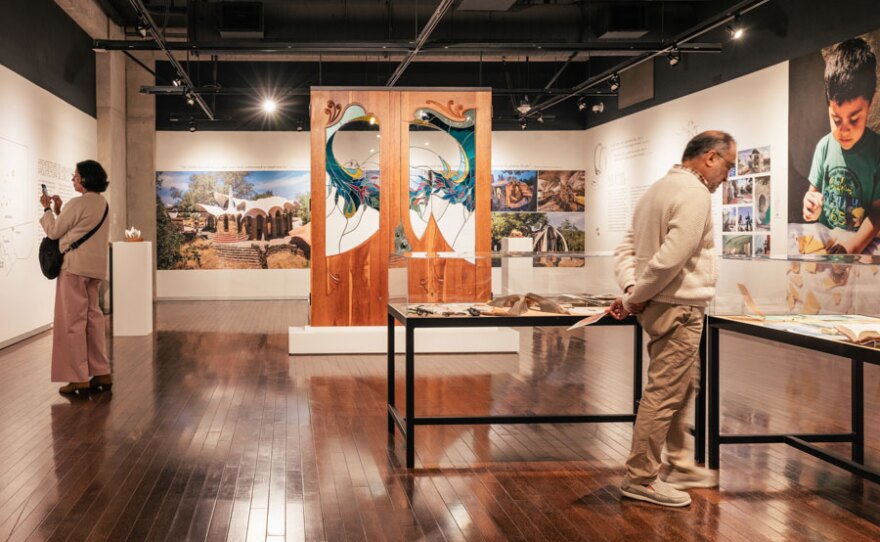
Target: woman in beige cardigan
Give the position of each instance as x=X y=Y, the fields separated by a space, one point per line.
x=79 y=354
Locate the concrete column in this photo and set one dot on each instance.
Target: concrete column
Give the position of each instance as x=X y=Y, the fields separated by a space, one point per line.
x=110 y=100
x=140 y=150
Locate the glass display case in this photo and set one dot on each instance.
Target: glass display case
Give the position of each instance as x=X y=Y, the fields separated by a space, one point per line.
x=828 y=296
x=501 y=283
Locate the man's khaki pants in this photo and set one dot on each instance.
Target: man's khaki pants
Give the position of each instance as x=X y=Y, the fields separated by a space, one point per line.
x=673 y=379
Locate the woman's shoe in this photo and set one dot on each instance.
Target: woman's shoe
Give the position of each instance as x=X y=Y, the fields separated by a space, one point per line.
x=74 y=388
x=101 y=383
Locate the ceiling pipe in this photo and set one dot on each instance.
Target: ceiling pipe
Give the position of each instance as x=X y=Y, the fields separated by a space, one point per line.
x=679 y=42
x=139 y=6
x=421 y=40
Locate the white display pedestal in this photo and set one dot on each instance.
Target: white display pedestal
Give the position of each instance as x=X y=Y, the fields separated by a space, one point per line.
x=374 y=340
x=132 y=288
x=516 y=271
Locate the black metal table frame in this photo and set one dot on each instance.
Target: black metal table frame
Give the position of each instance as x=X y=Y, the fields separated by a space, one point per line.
x=858 y=357
x=407 y=423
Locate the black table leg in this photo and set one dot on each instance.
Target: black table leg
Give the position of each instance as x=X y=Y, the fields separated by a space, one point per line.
x=637 y=367
x=714 y=400
x=857 y=399
x=700 y=403
x=390 y=372
x=410 y=398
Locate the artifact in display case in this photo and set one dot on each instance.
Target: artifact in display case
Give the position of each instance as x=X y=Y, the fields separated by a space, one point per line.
x=419 y=285
x=834 y=297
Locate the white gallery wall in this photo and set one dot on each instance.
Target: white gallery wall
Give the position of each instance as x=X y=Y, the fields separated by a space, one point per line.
x=627 y=155
x=256 y=151
x=41 y=140
x=232 y=151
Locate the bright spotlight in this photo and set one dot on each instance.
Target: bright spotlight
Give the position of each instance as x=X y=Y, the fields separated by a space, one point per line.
x=269 y=105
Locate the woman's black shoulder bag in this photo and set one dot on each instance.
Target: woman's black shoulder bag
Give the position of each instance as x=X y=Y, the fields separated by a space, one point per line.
x=51 y=256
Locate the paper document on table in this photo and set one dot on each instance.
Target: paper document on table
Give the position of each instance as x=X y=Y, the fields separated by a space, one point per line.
x=588 y=321
x=750 y=303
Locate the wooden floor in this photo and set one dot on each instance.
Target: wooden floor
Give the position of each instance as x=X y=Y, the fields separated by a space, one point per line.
x=213 y=432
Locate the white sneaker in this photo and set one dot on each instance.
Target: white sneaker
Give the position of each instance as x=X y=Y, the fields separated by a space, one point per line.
x=696 y=477
x=657 y=492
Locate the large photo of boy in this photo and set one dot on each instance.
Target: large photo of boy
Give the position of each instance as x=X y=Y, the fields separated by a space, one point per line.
x=834 y=150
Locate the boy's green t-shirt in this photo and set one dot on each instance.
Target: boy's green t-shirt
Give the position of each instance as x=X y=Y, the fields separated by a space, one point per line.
x=848 y=180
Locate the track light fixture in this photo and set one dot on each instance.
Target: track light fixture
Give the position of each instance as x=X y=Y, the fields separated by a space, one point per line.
x=599 y=107
x=523 y=123
x=141 y=26
x=614 y=81
x=192 y=124
x=190 y=98
x=177 y=82
x=524 y=106
x=735 y=29
x=582 y=104
x=674 y=56
x=299 y=125
x=539 y=118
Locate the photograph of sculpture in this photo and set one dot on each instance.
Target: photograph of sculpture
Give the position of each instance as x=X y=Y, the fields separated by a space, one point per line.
x=737 y=191
x=751 y=161
x=561 y=191
x=728 y=218
x=232 y=219
x=736 y=246
x=762 y=203
x=762 y=245
x=564 y=232
x=834 y=167
x=510 y=224
x=514 y=190
x=744 y=220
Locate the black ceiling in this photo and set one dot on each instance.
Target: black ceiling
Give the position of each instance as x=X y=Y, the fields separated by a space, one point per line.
x=524 y=45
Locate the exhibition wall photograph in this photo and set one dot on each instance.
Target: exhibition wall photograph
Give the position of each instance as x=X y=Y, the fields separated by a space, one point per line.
x=232 y=220
x=834 y=149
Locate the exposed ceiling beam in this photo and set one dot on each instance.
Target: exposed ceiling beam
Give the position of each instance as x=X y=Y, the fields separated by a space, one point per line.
x=680 y=41
x=153 y=31
x=421 y=40
x=168 y=90
x=432 y=51
x=90 y=16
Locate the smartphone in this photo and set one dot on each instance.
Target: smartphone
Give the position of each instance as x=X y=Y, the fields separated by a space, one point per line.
x=45 y=190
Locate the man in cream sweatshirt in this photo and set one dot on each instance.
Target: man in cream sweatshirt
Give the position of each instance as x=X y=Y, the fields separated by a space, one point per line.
x=666 y=268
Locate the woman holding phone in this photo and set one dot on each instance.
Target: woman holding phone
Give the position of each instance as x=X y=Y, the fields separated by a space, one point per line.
x=79 y=354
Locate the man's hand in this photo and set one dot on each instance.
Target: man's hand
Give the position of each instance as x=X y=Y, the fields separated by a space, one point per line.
x=617 y=310
x=812 y=206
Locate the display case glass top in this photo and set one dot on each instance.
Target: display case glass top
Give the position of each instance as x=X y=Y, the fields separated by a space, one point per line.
x=521 y=284
x=834 y=297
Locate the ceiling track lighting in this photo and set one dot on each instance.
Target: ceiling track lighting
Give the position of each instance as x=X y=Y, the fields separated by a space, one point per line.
x=190 y=99
x=539 y=118
x=735 y=28
x=599 y=107
x=192 y=125
x=523 y=123
x=582 y=104
x=524 y=106
x=674 y=56
x=141 y=26
x=614 y=81
x=299 y=125
x=177 y=82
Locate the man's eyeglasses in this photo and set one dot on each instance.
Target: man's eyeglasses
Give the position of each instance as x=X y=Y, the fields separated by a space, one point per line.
x=727 y=163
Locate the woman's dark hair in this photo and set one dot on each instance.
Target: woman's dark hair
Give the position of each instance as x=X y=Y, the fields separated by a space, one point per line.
x=94 y=178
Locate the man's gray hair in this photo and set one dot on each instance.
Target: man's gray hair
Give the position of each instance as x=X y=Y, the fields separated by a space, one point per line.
x=705 y=142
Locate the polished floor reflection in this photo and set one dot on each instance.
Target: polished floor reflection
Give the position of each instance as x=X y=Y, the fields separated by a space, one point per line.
x=212 y=432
